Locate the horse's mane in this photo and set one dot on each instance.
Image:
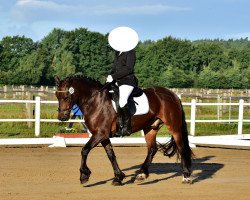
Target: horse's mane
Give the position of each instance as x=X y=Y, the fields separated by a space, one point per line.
x=86 y=79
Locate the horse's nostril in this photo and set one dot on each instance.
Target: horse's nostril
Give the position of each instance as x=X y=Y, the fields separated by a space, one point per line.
x=64 y=118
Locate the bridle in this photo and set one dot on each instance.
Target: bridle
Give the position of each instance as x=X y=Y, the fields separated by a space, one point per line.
x=69 y=98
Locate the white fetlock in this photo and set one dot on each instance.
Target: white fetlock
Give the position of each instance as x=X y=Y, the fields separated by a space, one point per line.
x=187 y=180
x=140 y=177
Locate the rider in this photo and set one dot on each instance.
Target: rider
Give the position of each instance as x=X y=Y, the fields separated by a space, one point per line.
x=123 y=73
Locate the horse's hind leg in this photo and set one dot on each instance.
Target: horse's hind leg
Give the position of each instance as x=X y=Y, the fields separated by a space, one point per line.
x=150 y=137
x=186 y=154
x=84 y=170
x=119 y=175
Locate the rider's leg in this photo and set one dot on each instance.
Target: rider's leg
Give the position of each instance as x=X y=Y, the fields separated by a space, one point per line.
x=124 y=93
x=124 y=117
x=127 y=129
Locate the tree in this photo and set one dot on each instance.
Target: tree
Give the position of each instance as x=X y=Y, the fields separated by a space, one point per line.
x=176 y=77
x=246 y=78
x=44 y=59
x=54 y=39
x=29 y=71
x=211 y=54
x=209 y=78
x=224 y=78
x=14 y=48
x=168 y=62
x=63 y=63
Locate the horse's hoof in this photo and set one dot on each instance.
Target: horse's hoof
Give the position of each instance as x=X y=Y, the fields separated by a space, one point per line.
x=84 y=180
x=122 y=176
x=140 y=178
x=187 y=180
x=116 y=182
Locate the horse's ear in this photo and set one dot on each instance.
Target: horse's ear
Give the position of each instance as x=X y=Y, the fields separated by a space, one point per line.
x=57 y=80
x=70 y=81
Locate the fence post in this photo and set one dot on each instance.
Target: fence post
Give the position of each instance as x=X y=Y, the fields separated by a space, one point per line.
x=29 y=110
x=37 y=116
x=192 y=120
x=218 y=107
x=5 y=90
x=23 y=91
x=240 y=122
x=230 y=107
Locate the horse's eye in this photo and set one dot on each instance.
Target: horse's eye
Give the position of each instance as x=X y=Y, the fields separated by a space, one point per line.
x=66 y=99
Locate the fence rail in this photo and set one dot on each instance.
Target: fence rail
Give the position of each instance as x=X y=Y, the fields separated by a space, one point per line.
x=37 y=120
x=27 y=92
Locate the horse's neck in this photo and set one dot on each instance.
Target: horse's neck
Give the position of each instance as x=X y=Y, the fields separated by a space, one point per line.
x=87 y=94
x=85 y=86
x=87 y=90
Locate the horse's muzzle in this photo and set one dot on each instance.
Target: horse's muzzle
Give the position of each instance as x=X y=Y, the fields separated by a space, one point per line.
x=64 y=119
x=63 y=116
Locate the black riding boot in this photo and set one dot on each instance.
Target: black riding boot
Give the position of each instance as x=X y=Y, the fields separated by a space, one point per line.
x=124 y=129
x=119 y=120
x=127 y=129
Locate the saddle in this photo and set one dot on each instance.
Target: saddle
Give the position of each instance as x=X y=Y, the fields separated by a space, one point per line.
x=137 y=101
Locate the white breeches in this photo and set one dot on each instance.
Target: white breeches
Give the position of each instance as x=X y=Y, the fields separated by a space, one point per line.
x=124 y=92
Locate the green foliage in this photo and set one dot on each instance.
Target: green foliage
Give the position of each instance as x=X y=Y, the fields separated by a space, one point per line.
x=176 y=77
x=29 y=70
x=12 y=50
x=168 y=62
x=229 y=78
x=63 y=63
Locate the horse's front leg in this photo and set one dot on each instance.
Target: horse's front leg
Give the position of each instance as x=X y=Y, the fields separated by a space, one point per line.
x=84 y=170
x=119 y=175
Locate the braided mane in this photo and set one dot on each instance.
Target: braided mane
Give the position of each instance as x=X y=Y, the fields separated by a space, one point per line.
x=84 y=78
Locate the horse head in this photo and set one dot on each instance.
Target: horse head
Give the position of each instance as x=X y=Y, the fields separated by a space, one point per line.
x=67 y=96
x=73 y=90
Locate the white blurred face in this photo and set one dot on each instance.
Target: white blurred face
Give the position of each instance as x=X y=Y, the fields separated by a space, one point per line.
x=123 y=39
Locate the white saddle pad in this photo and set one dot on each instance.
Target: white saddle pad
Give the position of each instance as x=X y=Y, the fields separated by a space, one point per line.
x=142 y=106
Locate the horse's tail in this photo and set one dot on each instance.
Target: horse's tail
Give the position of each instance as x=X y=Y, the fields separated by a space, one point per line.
x=170 y=148
x=186 y=152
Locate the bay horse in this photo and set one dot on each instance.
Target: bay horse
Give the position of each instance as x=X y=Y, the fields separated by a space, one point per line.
x=100 y=117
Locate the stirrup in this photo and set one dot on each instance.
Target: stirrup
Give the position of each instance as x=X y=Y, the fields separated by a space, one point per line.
x=122 y=133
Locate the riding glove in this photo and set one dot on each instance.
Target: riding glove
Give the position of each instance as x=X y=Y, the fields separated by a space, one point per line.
x=109 y=79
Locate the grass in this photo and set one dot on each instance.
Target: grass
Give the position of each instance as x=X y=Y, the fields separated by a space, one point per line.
x=49 y=111
x=21 y=130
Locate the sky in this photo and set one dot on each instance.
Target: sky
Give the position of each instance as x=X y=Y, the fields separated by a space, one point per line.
x=152 y=19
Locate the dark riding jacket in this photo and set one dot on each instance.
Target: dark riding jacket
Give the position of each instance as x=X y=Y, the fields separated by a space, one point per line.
x=123 y=68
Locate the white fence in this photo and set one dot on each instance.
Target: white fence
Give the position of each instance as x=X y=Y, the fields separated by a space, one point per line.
x=37 y=120
x=240 y=119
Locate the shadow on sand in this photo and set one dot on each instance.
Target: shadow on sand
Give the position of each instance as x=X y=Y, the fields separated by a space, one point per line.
x=205 y=171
